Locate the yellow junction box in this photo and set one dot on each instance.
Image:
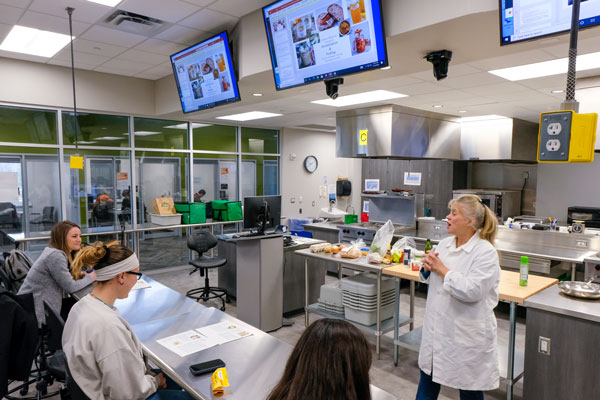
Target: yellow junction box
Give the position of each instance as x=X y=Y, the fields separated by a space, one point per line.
x=582 y=136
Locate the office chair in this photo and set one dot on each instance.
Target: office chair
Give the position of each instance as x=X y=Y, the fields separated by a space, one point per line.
x=9 y=216
x=75 y=391
x=47 y=219
x=202 y=241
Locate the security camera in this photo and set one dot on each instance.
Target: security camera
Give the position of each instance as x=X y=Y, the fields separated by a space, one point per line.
x=440 y=60
x=331 y=87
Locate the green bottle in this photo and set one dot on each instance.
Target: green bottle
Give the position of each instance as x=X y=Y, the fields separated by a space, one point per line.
x=524 y=271
x=428 y=246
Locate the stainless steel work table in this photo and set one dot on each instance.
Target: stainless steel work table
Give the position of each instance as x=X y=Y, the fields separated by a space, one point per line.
x=554 y=301
x=254 y=364
x=508 y=291
x=358 y=264
x=19 y=239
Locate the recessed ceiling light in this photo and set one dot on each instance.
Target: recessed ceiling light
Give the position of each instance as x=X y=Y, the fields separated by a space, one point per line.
x=110 y=3
x=360 y=98
x=247 y=116
x=86 y=142
x=184 y=126
x=462 y=111
x=557 y=91
x=437 y=106
x=257 y=94
x=146 y=133
x=22 y=39
x=547 y=68
x=388 y=67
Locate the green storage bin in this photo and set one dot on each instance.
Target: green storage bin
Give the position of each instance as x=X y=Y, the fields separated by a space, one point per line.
x=192 y=213
x=224 y=210
x=350 y=218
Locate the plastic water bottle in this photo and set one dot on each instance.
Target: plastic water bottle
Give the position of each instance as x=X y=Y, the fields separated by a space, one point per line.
x=524 y=271
x=428 y=248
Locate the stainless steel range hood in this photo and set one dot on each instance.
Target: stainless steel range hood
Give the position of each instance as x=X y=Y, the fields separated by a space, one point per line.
x=396 y=131
x=401 y=132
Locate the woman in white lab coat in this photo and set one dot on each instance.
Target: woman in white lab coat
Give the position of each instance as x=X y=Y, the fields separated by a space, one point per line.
x=458 y=346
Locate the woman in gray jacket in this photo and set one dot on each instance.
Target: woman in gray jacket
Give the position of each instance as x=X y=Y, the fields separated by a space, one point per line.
x=49 y=277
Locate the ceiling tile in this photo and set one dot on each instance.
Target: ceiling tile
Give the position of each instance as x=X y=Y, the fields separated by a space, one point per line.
x=472 y=80
x=4 y=30
x=210 y=21
x=200 y=3
x=511 y=60
x=149 y=75
x=85 y=58
x=158 y=46
x=170 y=11
x=97 y=48
x=112 y=36
x=157 y=72
x=183 y=35
x=52 y=23
x=10 y=15
x=238 y=8
x=142 y=56
x=84 y=10
x=16 y=3
x=78 y=64
x=130 y=67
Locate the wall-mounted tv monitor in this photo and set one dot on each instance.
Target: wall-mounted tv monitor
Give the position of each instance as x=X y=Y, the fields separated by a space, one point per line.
x=204 y=75
x=313 y=40
x=525 y=19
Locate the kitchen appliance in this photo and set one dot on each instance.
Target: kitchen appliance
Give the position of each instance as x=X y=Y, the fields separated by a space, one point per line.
x=366 y=231
x=590 y=216
x=592 y=269
x=503 y=203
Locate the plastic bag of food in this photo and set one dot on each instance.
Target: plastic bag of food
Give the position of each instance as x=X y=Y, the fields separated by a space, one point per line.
x=382 y=239
x=353 y=251
x=374 y=258
x=405 y=242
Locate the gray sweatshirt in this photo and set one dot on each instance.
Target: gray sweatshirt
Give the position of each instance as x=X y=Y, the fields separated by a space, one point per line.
x=49 y=279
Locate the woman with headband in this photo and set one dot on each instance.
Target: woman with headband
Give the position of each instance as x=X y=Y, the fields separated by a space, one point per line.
x=103 y=353
x=458 y=346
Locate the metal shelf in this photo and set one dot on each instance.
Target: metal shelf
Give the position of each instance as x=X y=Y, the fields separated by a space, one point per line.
x=388 y=196
x=386 y=325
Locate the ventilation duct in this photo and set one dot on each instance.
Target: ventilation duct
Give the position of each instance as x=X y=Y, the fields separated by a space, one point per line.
x=135 y=23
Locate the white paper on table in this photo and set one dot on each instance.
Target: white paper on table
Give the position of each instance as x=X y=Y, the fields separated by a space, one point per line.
x=186 y=343
x=224 y=332
x=141 y=284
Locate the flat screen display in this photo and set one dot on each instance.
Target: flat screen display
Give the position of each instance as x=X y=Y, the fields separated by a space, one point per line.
x=204 y=75
x=313 y=40
x=530 y=19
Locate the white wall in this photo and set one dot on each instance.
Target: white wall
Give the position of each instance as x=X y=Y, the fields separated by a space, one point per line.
x=296 y=182
x=588 y=95
x=25 y=82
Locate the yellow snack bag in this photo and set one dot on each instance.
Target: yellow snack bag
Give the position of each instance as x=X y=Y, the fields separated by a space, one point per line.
x=219 y=381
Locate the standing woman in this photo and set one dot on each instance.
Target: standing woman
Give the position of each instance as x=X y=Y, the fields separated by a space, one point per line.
x=103 y=353
x=49 y=277
x=458 y=346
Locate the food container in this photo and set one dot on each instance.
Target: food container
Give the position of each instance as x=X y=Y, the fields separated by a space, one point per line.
x=173 y=219
x=350 y=218
x=584 y=290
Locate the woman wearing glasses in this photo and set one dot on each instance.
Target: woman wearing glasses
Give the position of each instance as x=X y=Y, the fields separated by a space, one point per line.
x=103 y=353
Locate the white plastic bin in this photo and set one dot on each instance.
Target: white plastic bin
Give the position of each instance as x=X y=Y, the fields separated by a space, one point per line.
x=173 y=219
x=368 y=317
x=366 y=284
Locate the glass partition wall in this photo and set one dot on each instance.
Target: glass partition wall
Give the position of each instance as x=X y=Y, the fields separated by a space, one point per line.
x=124 y=158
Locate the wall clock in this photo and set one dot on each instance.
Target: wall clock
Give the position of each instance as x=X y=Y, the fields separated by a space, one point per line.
x=310 y=164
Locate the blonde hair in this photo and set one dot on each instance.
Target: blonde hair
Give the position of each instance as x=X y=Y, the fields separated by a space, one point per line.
x=96 y=256
x=483 y=218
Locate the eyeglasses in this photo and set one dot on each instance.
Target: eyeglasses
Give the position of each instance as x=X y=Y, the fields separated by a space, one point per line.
x=139 y=274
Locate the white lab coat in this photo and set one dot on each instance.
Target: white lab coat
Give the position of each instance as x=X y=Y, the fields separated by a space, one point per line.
x=458 y=346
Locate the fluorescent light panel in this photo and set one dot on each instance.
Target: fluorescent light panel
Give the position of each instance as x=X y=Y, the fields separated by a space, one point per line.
x=547 y=68
x=22 y=39
x=360 y=98
x=247 y=116
x=109 y=138
x=110 y=3
x=184 y=126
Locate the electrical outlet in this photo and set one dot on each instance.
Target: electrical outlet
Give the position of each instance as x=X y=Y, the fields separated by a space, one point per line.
x=555 y=136
x=554 y=128
x=581 y=243
x=544 y=345
x=300 y=212
x=292 y=200
x=553 y=145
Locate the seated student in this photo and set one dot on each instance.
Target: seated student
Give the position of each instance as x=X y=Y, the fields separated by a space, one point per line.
x=103 y=353
x=330 y=361
x=103 y=197
x=199 y=195
x=49 y=277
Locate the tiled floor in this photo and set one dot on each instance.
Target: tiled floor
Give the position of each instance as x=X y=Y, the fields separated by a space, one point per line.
x=402 y=380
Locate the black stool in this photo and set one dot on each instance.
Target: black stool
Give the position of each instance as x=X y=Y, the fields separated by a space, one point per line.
x=202 y=241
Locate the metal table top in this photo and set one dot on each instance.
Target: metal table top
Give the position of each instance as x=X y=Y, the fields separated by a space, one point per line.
x=153 y=303
x=554 y=301
x=112 y=230
x=358 y=263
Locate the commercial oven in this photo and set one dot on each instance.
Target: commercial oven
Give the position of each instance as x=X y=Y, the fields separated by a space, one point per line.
x=503 y=203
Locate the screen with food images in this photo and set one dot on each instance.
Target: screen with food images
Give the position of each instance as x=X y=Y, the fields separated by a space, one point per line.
x=313 y=40
x=526 y=19
x=204 y=75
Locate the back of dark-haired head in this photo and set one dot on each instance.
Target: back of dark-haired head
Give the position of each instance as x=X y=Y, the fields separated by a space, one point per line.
x=58 y=237
x=95 y=256
x=330 y=361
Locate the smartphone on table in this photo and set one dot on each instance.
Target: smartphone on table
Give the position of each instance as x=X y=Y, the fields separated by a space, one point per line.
x=206 y=367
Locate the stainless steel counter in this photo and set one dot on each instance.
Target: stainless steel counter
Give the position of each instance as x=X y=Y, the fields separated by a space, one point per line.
x=554 y=301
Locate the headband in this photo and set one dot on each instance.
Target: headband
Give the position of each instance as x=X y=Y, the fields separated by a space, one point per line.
x=107 y=273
